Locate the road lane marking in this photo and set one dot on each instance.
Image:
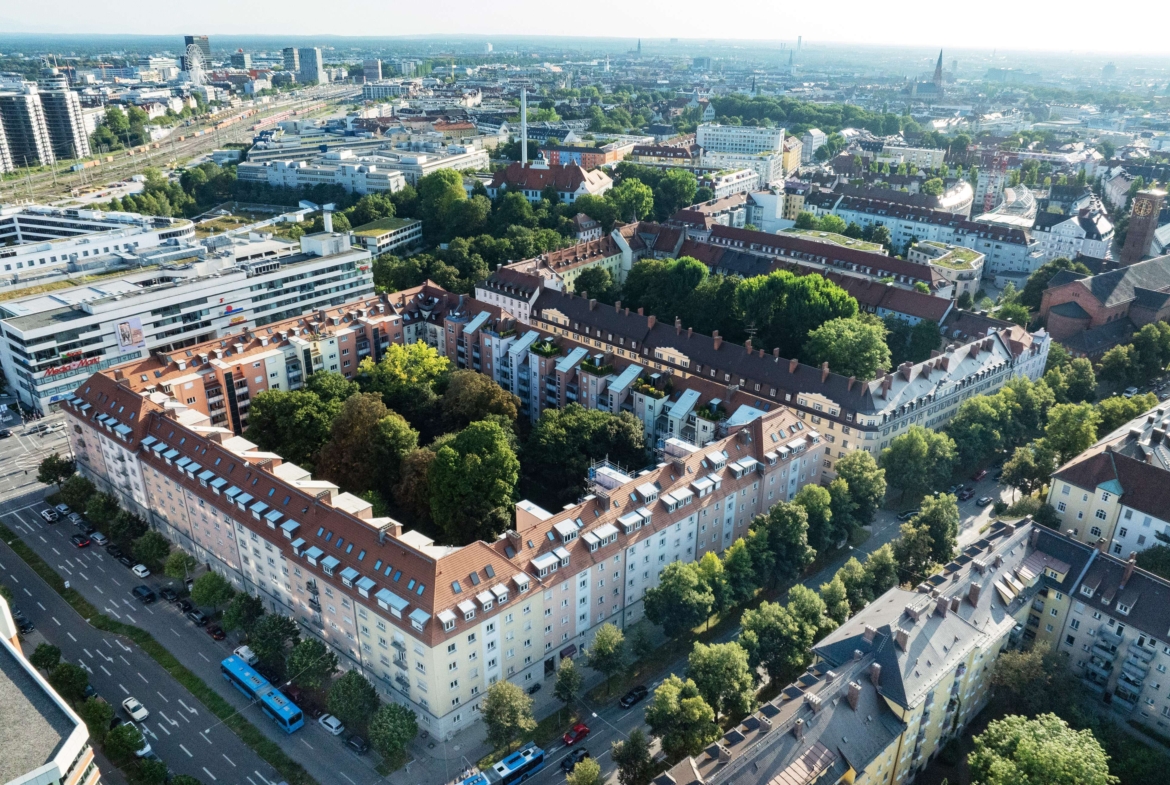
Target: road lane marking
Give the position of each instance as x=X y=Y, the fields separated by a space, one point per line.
x=54 y=618
x=83 y=575
x=116 y=614
x=204 y=735
x=229 y=760
x=144 y=681
x=87 y=654
x=347 y=777
x=163 y=728
x=46 y=542
x=164 y=697
x=29 y=593
x=184 y=749
x=123 y=659
x=148 y=610
x=70 y=636
x=15 y=579
x=131 y=618
x=185 y=706
x=201 y=655
x=103 y=667
x=121 y=645
x=55 y=550
x=261 y=776
x=42 y=607
x=63 y=567
x=99 y=588
x=177 y=635
x=124 y=689
x=307 y=744
x=115 y=580
x=209 y=774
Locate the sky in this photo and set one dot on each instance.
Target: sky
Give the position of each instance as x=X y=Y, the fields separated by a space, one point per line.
x=1069 y=26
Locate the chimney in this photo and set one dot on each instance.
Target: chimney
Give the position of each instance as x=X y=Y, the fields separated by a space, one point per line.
x=869 y=633
x=775 y=352
x=824 y=371
x=765 y=724
x=901 y=638
x=593 y=305
x=1102 y=545
x=955 y=603
x=1129 y=565
x=875 y=674
x=717 y=338
x=677 y=325
x=904 y=369
x=689 y=331
x=617 y=306
x=724 y=754
x=792 y=365
x=584 y=295
x=854 y=695
x=748 y=345
x=857 y=655
x=973 y=593
x=627 y=310
x=798 y=729
x=1034 y=537
x=849 y=387
x=650 y=320
x=940 y=606
x=934 y=353
x=815 y=702
x=640 y=312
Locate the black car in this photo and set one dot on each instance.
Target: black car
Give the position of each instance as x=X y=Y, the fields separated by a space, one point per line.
x=90 y=692
x=25 y=626
x=907 y=515
x=85 y=527
x=216 y=632
x=197 y=617
x=184 y=606
x=116 y=722
x=5 y=433
x=168 y=594
x=357 y=744
x=573 y=758
x=79 y=540
x=126 y=561
x=143 y=594
x=114 y=551
x=633 y=696
x=535 y=688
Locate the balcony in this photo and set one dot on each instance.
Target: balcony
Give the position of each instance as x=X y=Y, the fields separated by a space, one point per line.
x=401 y=663
x=312 y=587
x=399 y=645
x=1124 y=702
x=1108 y=654
x=1038 y=606
x=1102 y=670
x=1107 y=637
x=403 y=683
x=1140 y=653
x=315 y=603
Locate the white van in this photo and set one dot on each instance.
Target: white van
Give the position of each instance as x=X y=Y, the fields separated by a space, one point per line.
x=247 y=655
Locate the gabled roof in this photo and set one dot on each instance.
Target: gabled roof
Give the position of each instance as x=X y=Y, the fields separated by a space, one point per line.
x=566 y=178
x=1118 y=286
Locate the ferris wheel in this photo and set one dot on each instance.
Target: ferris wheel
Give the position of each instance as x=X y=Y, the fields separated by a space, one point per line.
x=194 y=57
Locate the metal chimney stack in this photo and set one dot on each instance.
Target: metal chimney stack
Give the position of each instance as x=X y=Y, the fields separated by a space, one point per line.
x=327 y=217
x=523 y=125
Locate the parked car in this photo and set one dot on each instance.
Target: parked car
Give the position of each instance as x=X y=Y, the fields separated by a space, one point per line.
x=168 y=594
x=247 y=655
x=76 y=518
x=140 y=570
x=570 y=761
x=50 y=515
x=907 y=515
x=575 y=734
x=331 y=724
x=144 y=594
x=535 y=688
x=633 y=696
x=99 y=539
x=983 y=501
x=63 y=509
x=998 y=475
x=979 y=475
x=1130 y=392
x=85 y=527
x=5 y=433
x=357 y=744
x=216 y=632
x=79 y=541
x=966 y=494
x=144 y=751
x=135 y=709
x=126 y=561
x=25 y=626
x=198 y=618
x=114 y=551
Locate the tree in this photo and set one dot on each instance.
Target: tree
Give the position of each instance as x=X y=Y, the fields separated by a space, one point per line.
x=586 y=772
x=633 y=759
x=851 y=347
x=882 y=568
x=46 y=656
x=406 y=377
x=810 y=610
x=54 y=470
x=711 y=572
x=918 y=460
x=471 y=396
x=1013 y=312
x=564 y=443
x=211 y=590
x=1038 y=281
x=69 y=681
x=680 y=717
x=152 y=549
x=180 y=565
x=866 y=482
x=776 y=640
x=507 y=713
x=366 y=445
x=413 y=492
x=681 y=601
x=914 y=551
x=1080 y=381
x=816 y=502
x=101 y=509
x=1030 y=466
x=832 y=223
x=473 y=481
x=1016 y=750
x=97 y=715
x=640 y=641
x=607 y=654
x=269 y=637
x=778 y=543
x=674 y=191
x=1119 y=365
x=856 y=583
x=391 y=729
x=631 y=199
x=598 y=284
x=836 y=600
x=933 y=187
x=940 y=516
x=184 y=779
x=122 y=742
x=293 y=423
x=805 y=220
x=1155 y=559
x=724 y=679
x=739 y=576
x=77 y=491
x=569 y=681
x=353 y=699
x=311 y=664
x=881 y=236
x=243 y=612
x=1117 y=410
x=1072 y=429
x=149 y=771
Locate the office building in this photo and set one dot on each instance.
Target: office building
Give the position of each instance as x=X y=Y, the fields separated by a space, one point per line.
x=201 y=41
x=188 y=295
x=354 y=174
x=372 y=70
x=739 y=138
x=63 y=116
x=25 y=128
x=312 y=70
x=292 y=59
x=387 y=235
x=241 y=59
x=769 y=167
x=45 y=742
x=813 y=139
x=6 y=163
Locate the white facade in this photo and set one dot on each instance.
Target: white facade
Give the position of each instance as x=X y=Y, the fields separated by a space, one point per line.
x=812 y=139
x=922 y=157
x=351 y=175
x=739 y=138
x=768 y=166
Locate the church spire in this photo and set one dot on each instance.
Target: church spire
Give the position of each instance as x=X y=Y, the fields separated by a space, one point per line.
x=938 y=77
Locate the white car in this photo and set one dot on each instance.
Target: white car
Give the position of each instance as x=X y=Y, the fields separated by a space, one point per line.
x=135 y=709
x=145 y=749
x=331 y=724
x=140 y=570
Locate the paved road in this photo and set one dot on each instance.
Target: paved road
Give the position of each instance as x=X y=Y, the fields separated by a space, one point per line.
x=23 y=451
x=179 y=729
x=107 y=584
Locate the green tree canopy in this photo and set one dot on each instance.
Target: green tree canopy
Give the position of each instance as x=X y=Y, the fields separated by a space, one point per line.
x=918 y=459
x=1038 y=281
x=54 y=470
x=152 y=550
x=407 y=378
x=211 y=590
x=723 y=676
x=473 y=481
x=633 y=759
x=607 y=653
x=180 y=565
x=1072 y=429
x=1016 y=750
x=680 y=717
x=311 y=663
x=866 y=482
x=472 y=396
x=681 y=601
x=367 y=444
x=353 y=700
x=292 y=423
x=851 y=347
x=507 y=713
x=391 y=728
x=242 y=612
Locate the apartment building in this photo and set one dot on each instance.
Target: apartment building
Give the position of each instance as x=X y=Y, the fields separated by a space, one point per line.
x=35 y=239
x=922 y=157
x=45 y=742
x=432 y=626
x=813 y=139
x=26 y=130
x=63 y=117
x=792 y=155
x=768 y=166
x=312 y=67
x=1114 y=492
x=890 y=687
x=725 y=184
x=1088 y=231
x=748 y=139
x=560 y=269
x=961 y=266
x=292 y=59
x=51 y=340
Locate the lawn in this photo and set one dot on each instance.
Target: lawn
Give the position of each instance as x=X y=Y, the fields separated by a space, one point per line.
x=66 y=283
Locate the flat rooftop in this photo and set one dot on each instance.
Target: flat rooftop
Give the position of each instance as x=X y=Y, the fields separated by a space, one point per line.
x=382 y=225
x=34 y=726
x=837 y=239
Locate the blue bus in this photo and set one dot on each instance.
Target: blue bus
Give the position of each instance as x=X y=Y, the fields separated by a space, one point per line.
x=517 y=767
x=255 y=687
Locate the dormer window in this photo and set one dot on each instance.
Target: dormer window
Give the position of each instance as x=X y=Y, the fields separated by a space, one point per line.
x=1086 y=590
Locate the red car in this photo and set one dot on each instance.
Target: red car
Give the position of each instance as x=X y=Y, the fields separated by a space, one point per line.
x=579 y=731
x=979 y=475
x=216 y=632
